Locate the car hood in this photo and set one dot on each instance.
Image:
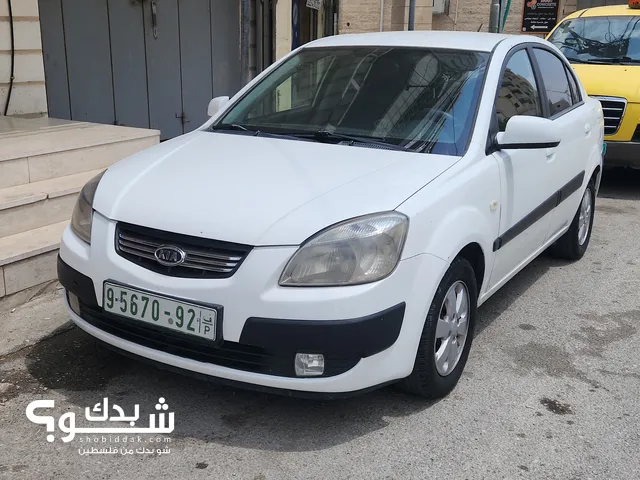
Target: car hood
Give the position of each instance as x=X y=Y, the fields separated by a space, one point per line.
x=610 y=80
x=258 y=190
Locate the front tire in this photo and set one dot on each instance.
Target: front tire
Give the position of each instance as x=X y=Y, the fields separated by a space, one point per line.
x=447 y=334
x=573 y=244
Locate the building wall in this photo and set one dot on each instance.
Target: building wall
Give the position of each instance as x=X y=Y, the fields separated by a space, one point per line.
x=283 y=28
x=358 y=16
x=473 y=15
x=599 y=3
x=29 y=94
x=253 y=32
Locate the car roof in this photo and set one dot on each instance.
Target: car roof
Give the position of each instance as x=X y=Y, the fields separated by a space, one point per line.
x=611 y=11
x=470 y=41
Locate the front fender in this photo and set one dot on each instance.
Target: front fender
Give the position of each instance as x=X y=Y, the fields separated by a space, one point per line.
x=459 y=228
x=447 y=235
x=461 y=209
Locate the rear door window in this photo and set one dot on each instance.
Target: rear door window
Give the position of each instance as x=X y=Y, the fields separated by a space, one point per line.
x=556 y=83
x=575 y=91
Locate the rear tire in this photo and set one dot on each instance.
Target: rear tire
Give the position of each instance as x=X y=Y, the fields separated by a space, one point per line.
x=573 y=244
x=432 y=375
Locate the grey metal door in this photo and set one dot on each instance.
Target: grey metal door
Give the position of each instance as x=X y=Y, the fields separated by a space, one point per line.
x=141 y=63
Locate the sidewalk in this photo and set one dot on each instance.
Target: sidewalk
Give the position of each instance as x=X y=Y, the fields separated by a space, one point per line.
x=31 y=317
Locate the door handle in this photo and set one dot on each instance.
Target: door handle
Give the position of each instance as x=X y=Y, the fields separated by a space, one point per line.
x=550 y=152
x=587 y=128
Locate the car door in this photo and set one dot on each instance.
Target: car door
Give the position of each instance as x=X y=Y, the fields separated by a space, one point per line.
x=564 y=163
x=523 y=171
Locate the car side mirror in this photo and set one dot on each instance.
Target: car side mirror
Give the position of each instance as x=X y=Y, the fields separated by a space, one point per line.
x=526 y=132
x=216 y=104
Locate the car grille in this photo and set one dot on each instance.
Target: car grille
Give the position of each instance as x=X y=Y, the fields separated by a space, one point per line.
x=613 y=109
x=203 y=258
x=227 y=354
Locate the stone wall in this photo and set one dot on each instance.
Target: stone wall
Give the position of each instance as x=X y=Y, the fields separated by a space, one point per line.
x=29 y=95
x=473 y=15
x=358 y=16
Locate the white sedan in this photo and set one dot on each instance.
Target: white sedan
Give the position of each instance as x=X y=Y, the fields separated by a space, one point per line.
x=336 y=224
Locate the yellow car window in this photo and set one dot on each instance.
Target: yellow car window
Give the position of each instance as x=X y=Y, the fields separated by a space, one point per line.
x=605 y=40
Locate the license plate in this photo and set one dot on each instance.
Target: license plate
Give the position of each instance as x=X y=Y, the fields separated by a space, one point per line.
x=165 y=312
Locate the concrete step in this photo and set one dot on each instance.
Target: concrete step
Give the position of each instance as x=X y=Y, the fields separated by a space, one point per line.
x=29 y=258
x=44 y=163
x=35 y=151
x=34 y=205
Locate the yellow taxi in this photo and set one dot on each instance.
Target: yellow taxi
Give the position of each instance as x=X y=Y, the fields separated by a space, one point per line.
x=603 y=46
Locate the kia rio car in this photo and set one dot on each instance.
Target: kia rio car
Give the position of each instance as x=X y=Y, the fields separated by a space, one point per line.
x=335 y=225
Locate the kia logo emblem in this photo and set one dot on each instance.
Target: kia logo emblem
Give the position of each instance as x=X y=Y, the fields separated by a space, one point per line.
x=169 y=256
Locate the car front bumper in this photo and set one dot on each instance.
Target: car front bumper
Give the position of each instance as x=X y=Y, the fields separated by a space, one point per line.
x=367 y=333
x=622 y=154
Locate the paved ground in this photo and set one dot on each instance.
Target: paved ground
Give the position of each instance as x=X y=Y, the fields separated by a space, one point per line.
x=550 y=391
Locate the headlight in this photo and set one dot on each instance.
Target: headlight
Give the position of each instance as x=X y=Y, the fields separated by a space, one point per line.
x=83 y=211
x=360 y=250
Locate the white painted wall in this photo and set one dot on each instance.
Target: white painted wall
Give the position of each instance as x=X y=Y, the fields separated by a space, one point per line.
x=29 y=93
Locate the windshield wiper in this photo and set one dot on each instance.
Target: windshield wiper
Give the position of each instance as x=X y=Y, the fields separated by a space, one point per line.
x=576 y=60
x=611 y=60
x=318 y=136
x=629 y=60
x=253 y=131
x=233 y=126
x=321 y=135
x=604 y=61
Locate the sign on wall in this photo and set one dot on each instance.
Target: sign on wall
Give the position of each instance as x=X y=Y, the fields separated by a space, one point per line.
x=315 y=4
x=539 y=16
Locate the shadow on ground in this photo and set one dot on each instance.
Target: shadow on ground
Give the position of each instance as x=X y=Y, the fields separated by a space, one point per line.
x=83 y=370
x=75 y=365
x=514 y=288
x=620 y=183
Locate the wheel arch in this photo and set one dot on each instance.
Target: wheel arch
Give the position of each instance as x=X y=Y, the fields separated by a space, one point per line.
x=596 y=176
x=464 y=232
x=473 y=253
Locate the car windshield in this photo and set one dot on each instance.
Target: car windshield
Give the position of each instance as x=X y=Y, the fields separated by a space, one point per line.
x=600 y=40
x=414 y=99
